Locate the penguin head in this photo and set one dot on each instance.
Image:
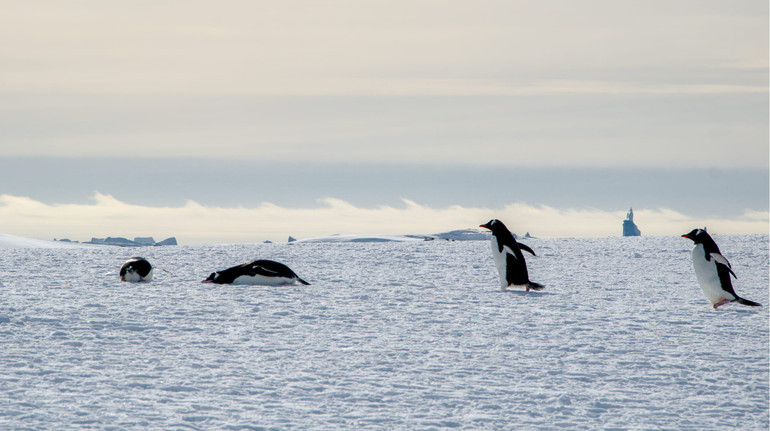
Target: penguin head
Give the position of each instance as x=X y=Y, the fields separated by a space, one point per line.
x=697 y=235
x=212 y=278
x=494 y=225
x=130 y=273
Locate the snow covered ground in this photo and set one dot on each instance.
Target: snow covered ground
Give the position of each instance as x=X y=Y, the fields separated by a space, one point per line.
x=454 y=235
x=13 y=241
x=390 y=335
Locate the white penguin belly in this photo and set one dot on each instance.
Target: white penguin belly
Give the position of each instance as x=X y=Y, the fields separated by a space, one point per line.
x=263 y=280
x=133 y=277
x=500 y=262
x=706 y=273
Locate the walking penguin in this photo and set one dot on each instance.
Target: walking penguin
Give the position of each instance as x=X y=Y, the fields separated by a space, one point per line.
x=713 y=270
x=509 y=260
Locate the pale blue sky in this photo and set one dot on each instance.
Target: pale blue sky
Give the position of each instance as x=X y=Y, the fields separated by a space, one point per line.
x=589 y=105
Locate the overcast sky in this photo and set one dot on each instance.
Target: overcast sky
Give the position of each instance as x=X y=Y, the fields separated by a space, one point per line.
x=372 y=102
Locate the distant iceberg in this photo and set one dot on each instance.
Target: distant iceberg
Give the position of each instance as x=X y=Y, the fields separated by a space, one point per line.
x=464 y=235
x=13 y=241
x=455 y=235
x=167 y=241
x=363 y=238
x=137 y=242
x=629 y=228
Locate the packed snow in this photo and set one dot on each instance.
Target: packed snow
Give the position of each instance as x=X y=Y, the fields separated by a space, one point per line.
x=13 y=241
x=391 y=335
x=363 y=238
x=454 y=235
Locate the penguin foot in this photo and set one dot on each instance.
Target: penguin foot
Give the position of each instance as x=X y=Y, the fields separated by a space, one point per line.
x=722 y=302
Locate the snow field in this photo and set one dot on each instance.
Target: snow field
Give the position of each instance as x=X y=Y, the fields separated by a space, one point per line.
x=408 y=335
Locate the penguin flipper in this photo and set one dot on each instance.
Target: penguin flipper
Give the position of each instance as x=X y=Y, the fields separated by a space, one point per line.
x=301 y=281
x=527 y=249
x=731 y=272
x=722 y=260
x=727 y=268
x=261 y=270
x=509 y=251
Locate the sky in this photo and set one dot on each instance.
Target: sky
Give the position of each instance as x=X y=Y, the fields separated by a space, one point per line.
x=244 y=121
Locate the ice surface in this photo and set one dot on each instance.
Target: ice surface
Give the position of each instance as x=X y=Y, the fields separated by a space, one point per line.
x=394 y=335
x=13 y=241
x=363 y=238
x=455 y=235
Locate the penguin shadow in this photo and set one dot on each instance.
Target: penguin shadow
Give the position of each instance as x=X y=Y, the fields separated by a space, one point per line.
x=522 y=292
x=734 y=309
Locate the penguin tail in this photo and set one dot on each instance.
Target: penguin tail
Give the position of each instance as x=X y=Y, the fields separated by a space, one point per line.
x=301 y=281
x=747 y=302
x=534 y=286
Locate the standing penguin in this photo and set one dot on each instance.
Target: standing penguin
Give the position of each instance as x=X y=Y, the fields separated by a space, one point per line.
x=713 y=270
x=508 y=257
x=136 y=269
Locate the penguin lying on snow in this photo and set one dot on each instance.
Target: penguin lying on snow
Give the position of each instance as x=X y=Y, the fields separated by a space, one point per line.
x=136 y=269
x=713 y=270
x=263 y=272
x=508 y=257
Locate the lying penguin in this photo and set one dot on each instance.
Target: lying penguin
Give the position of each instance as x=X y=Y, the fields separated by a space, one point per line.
x=136 y=269
x=262 y=272
x=713 y=270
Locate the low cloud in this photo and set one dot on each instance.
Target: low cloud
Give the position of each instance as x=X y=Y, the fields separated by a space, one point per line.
x=194 y=223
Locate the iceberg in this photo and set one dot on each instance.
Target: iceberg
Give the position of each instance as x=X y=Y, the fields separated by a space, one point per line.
x=454 y=235
x=137 y=242
x=464 y=235
x=12 y=241
x=629 y=228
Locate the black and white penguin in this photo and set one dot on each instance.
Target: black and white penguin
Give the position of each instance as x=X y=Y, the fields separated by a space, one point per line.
x=263 y=272
x=713 y=270
x=136 y=269
x=508 y=257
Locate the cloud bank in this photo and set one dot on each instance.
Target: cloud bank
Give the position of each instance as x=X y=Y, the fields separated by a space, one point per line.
x=194 y=223
x=382 y=47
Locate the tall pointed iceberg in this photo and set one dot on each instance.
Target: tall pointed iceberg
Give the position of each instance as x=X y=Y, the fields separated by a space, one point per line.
x=629 y=228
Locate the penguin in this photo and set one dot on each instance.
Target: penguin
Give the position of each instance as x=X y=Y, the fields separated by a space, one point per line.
x=262 y=272
x=508 y=257
x=136 y=269
x=713 y=270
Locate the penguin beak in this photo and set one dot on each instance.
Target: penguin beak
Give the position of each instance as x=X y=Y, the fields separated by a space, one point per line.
x=484 y=226
x=687 y=235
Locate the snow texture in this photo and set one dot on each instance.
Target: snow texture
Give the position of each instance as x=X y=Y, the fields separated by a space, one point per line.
x=363 y=238
x=454 y=235
x=395 y=335
x=13 y=241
